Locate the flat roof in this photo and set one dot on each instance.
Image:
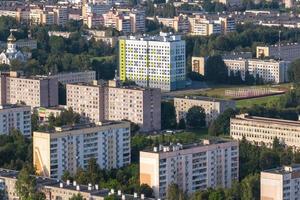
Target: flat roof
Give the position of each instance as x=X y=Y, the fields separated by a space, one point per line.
x=265 y=119
x=9 y=106
x=284 y=169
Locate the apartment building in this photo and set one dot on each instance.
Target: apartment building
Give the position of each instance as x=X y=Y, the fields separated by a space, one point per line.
x=45 y=113
x=262 y=130
x=99 y=102
x=213 y=107
x=75 y=77
x=156 y=62
x=178 y=23
x=198 y=65
x=58 y=189
x=227 y=24
x=204 y=27
x=15 y=117
x=36 y=91
x=68 y=148
x=194 y=167
x=86 y=99
x=271 y=71
x=282 y=183
x=137 y=20
x=286 y=52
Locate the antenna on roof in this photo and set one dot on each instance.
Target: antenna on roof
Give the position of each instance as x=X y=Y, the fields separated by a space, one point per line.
x=279 y=48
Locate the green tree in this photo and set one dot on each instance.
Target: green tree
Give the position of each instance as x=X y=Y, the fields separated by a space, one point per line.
x=168 y=115
x=146 y=190
x=250 y=187
x=294 y=71
x=77 y=197
x=174 y=193
x=222 y=123
x=181 y=124
x=215 y=69
x=195 y=117
x=57 y=44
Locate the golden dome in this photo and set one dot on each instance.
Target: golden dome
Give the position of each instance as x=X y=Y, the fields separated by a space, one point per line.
x=11 y=38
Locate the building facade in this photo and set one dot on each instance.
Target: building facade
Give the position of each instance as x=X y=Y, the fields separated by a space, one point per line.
x=99 y=102
x=270 y=71
x=282 y=183
x=261 y=130
x=213 y=107
x=156 y=62
x=68 y=148
x=286 y=52
x=193 y=167
x=198 y=65
x=75 y=77
x=15 y=117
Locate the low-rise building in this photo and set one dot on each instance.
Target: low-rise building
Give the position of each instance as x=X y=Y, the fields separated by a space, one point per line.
x=198 y=65
x=286 y=52
x=45 y=113
x=262 y=130
x=75 y=77
x=270 y=71
x=15 y=117
x=69 y=148
x=213 y=107
x=282 y=183
x=58 y=189
x=209 y=164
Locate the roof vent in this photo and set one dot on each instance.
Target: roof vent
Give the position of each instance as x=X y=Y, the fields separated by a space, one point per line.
x=123 y=197
x=77 y=187
x=119 y=192
x=135 y=195
x=74 y=183
x=142 y=196
x=61 y=185
x=97 y=187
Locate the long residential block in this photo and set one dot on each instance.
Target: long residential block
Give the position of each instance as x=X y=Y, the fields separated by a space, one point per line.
x=68 y=148
x=213 y=107
x=209 y=164
x=261 y=130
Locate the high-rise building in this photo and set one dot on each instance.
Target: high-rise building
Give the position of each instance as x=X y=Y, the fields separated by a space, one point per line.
x=68 y=148
x=15 y=117
x=36 y=91
x=156 y=62
x=282 y=183
x=213 y=107
x=99 y=102
x=209 y=164
x=261 y=130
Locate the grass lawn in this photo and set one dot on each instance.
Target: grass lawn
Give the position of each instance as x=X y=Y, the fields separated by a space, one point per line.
x=268 y=100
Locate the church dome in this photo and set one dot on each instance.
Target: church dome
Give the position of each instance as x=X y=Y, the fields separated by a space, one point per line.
x=11 y=38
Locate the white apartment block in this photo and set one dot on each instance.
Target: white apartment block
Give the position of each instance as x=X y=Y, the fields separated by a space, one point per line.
x=271 y=71
x=99 y=102
x=156 y=62
x=282 y=183
x=213 y=107
x=15 y=117
x=261 y=130
x=75 y=77
x=36 y=91
x=286 y=52
x=209 y=164
x=68 y=148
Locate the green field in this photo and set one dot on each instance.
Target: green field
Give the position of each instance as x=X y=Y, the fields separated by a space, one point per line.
x=268 y=100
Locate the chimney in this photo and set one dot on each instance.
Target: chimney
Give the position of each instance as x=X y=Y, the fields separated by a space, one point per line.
x=77 y=187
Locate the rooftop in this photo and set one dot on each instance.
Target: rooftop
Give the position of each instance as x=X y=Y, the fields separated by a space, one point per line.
x=203 y=98
x=9 y=106
x=247 y=117
x=284 y=169
x=162 y=37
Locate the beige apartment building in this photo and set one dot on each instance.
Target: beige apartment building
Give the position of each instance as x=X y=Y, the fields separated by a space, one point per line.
x=68 y=148
x=213 y=107
x=286 y=52
x=178 y=23
x=198 y=65
x=208 y=164
x=60 y=190
x=261 y=130
x=15 y=117
x=271 y=71
x=36 y=91
x=100 y=102
x=282 y=183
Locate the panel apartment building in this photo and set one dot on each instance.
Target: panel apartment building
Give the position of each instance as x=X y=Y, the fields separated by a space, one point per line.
x=75 y=77
x=36 y=91
x=99 y=102
x=261 y=130
x=209 y=164
x=282 y=183
x=213 y=107
x=68 y=148
x=286 y=52
x=156 y=62
x=15 y=117
x=271 y=71
x=57 y=189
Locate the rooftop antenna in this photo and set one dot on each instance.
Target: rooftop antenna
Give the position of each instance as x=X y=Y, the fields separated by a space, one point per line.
x=279 y=45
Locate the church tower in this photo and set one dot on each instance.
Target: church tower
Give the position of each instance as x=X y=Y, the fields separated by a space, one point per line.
x=11 y=44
